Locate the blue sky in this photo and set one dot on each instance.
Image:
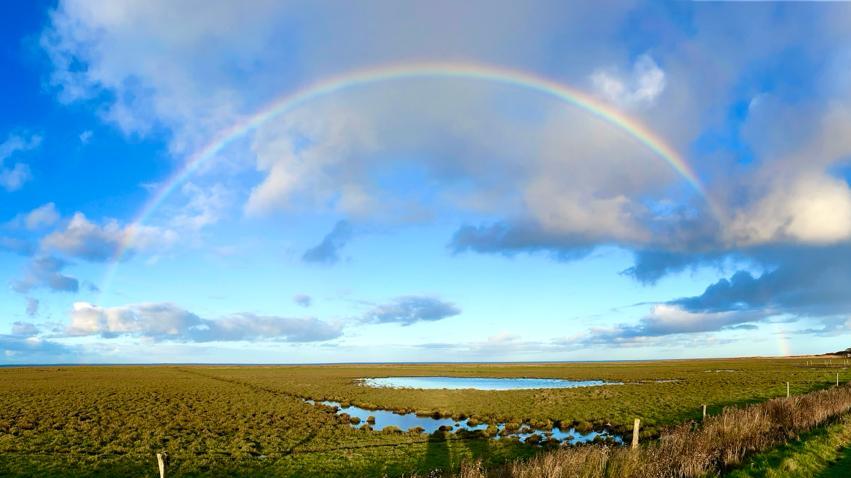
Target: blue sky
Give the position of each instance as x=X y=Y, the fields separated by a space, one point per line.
x=430 y=218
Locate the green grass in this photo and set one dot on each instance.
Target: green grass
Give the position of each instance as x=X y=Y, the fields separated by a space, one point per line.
x=823 y=453
x=251 y=421
x=841 y=468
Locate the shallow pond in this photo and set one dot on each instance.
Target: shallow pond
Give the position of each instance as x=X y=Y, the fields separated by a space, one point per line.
x=407 y=421
x=479 y=383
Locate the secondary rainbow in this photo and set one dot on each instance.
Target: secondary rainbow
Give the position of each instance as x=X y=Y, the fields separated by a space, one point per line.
x=494 y=74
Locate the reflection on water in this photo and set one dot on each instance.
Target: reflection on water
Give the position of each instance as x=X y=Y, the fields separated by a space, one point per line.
x=479 y=383
x=405 y=422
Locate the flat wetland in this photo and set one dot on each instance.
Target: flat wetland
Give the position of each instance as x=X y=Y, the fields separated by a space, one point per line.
x=254 y=420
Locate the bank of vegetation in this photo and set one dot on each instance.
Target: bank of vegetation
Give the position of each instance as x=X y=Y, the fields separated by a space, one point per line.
x=690 y=450
x=822 y=453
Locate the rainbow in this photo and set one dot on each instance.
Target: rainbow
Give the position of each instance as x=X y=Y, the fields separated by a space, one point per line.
x=784 y=348
x=505 y=76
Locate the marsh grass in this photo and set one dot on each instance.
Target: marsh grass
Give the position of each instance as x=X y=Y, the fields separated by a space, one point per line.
x=252 y=421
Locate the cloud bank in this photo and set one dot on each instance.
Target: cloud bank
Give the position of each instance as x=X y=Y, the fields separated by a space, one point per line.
x=163 y=321
x=550 y=180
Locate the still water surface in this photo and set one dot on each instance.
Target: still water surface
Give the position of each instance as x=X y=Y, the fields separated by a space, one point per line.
x=479 y=383
x=407 y=421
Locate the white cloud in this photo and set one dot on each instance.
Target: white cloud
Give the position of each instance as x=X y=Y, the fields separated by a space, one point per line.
x=36 y=219
x=575 y=179
x=42 y=216
x=667 y=319
x=46 y=271
x=641 y=87
x=315 y=169
x=798 y=195
x=12 y=178
x=32 y=306
x=204 y=206
x=18 y=143
x=18 y=246
x=154 y=62
x=355 y=155
x=25 y=329
x=197 y=77
x=163 y=321
x=814 y=209
x=408 y=310
x=86 y=240
x=181 y=85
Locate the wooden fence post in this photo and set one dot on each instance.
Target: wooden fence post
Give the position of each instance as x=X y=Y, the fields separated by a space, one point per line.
x=162 y=460
x=704 y=411
x=635 y=433
x=837 y=379
x=787 y=390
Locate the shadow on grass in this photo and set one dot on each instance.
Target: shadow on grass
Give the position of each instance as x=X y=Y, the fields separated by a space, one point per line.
x=446 y=456
x=839 y=469
x=436 y=456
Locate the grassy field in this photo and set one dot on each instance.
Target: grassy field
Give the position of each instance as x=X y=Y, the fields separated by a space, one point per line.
x=249 y=421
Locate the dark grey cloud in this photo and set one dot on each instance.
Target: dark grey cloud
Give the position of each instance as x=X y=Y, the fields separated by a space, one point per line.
x=46 y=271
x=408 y=310
x=663 y=322
x=164 y=321
x=303 y=300
x=800 y=281
x=743 y=327
x=508 y=239
x=652 y=265
x=328 y=251
x=681 y=238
